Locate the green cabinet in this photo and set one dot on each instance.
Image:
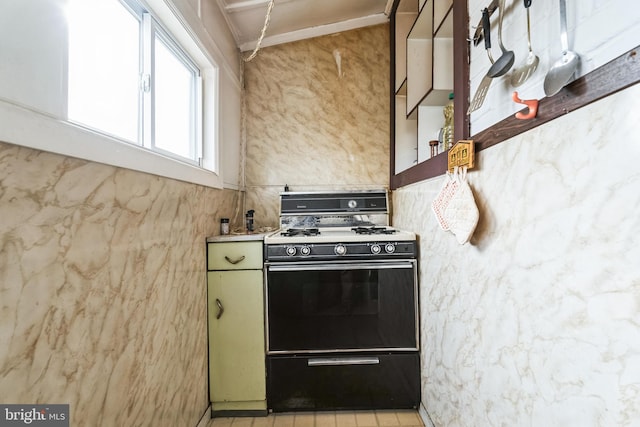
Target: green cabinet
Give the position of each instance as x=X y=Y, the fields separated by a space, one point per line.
x=236 y=328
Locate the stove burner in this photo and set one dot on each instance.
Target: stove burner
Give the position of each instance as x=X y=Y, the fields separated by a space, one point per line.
x=300 y=232
x=373 y=230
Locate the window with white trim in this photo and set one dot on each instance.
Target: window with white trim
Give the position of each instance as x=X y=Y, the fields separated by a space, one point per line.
x=129 y=78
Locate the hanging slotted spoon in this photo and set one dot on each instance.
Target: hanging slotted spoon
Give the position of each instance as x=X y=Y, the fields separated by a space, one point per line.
x=483 y=88
x=522 y=73
x=564 y=68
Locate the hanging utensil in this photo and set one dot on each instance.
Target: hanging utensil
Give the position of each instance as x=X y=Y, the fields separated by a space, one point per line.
x=482 y=90
x=564 y=68
x=506 y=60
x=522 y=73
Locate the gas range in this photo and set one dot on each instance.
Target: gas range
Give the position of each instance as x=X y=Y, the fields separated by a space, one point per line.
x=337 y=226
x=341 y=304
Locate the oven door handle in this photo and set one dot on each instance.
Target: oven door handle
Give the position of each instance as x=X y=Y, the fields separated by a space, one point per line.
x=342 y=361
x=334 y=266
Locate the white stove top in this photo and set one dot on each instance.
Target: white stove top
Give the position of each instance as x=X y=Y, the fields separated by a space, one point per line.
x=339 y=235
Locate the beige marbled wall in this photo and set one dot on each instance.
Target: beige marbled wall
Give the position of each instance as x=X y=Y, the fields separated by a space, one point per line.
x=314 y=124
x=103 y=289
x=537 y=321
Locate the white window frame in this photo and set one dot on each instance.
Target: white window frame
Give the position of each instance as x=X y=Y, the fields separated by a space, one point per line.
x=151 y=33
x=41 y=123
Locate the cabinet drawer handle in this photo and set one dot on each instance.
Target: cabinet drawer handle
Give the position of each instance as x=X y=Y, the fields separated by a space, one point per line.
x=220 y=309
x=339 y=361
x=234 y=261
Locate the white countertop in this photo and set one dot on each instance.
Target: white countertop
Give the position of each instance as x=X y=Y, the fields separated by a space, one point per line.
x=238 y=237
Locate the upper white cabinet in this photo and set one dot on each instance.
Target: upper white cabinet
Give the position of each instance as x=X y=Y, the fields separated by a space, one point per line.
x=405 y=17
x=430 y=56
x=423 y=76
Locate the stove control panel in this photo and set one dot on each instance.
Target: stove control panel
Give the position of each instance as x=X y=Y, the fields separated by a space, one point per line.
x=346 y=250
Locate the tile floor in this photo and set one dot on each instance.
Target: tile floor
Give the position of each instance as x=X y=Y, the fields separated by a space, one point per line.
x=402 y=418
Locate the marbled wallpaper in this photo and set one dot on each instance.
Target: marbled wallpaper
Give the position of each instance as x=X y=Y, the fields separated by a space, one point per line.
x=103 y=289
x=536 y=322
x=317 y=117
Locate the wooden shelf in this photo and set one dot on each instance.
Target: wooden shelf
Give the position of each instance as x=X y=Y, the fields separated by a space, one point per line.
x=412 y=132
x=423 y=76
x=606 y=79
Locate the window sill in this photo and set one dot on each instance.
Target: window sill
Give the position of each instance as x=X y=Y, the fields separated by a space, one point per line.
x=37 y=130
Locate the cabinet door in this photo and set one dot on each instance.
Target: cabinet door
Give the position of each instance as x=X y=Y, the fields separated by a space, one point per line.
x=236 y=338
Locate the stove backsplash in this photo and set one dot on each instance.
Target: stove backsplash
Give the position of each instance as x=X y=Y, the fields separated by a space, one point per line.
x=314 y=221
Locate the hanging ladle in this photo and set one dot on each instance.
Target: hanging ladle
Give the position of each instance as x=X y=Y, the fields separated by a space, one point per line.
x=505 y=62
x=564 y=68
x=522 y=73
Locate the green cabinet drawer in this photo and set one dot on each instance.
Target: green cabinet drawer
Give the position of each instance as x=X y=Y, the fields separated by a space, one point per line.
x=234 y=256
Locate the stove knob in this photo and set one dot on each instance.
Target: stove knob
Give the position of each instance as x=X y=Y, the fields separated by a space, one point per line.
x=389 y=248
x=340 y=249
x=305 y=250
x=375 y=249
x=291 y=250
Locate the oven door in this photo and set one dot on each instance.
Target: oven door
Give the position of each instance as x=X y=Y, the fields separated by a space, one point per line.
x=350 y=306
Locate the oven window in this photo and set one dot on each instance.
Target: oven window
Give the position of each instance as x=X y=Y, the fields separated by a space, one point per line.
x=341 y=309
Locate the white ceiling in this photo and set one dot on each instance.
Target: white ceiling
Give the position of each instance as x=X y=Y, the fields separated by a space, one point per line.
x=299 y=19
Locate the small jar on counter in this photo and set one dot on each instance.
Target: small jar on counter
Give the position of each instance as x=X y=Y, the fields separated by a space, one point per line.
x=434 y=147
x=224 y=225
x=249 y=221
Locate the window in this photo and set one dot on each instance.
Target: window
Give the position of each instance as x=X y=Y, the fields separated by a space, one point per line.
x=130 y=79
x=175 y=101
